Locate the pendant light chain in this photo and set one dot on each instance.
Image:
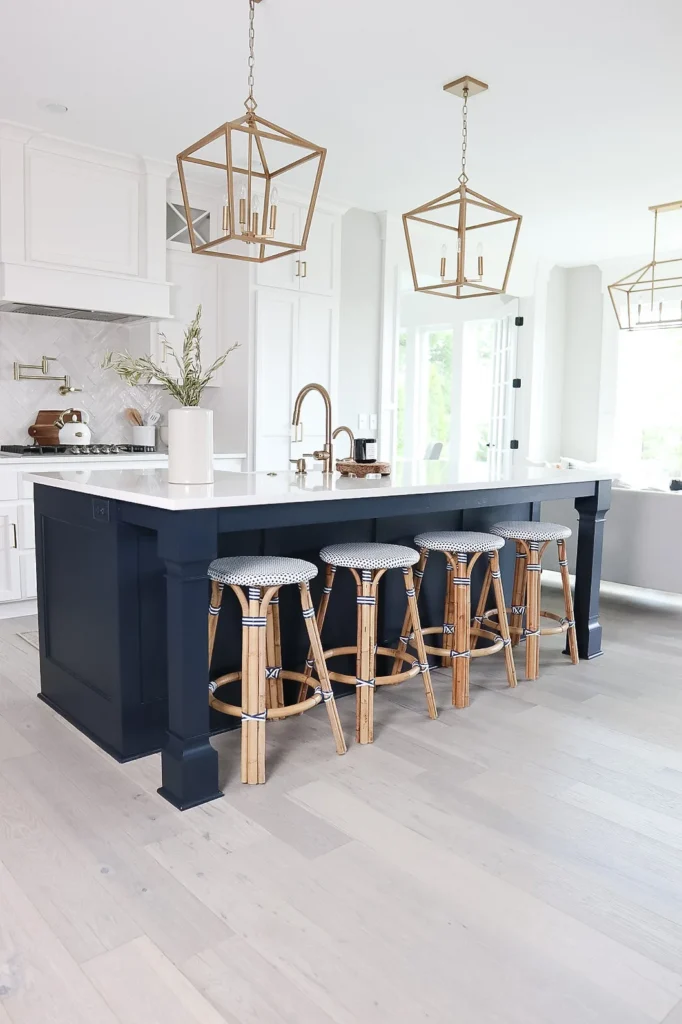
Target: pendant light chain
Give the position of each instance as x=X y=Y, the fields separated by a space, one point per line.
x=250 y=102
x=463 y=178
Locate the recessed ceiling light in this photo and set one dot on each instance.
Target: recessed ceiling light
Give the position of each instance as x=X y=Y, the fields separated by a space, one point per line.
x=53 y=108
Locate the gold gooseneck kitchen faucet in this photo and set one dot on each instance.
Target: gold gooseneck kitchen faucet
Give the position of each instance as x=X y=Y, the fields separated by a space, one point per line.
x=326 y=454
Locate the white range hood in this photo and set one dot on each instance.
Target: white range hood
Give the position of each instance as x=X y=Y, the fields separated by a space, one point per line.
x=82 y=231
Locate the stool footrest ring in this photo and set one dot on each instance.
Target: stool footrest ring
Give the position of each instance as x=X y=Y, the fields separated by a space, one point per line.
x=388 y=652
x=477 y=652
x=271 y=713
x=563 y=627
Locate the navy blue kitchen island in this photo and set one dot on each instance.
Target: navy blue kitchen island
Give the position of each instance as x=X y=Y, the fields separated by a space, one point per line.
x=123 y=593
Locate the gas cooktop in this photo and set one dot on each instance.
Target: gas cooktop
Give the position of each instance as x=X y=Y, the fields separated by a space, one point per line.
x=76 y=449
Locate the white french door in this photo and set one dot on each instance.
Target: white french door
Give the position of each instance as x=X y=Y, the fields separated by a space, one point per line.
x=487 y=406
x=455 y=392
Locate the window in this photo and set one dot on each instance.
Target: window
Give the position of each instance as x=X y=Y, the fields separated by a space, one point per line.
x=402 y=396
x=648 y=427
x=437 y=415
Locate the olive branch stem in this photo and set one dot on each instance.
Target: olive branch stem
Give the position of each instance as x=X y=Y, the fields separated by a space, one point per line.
x=189 y=385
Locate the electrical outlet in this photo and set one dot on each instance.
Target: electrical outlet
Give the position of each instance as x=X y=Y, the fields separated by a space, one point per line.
x=373 y=421
x=363 y=423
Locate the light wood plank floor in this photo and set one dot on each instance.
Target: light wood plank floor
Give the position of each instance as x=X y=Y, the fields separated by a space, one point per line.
x=518 y=862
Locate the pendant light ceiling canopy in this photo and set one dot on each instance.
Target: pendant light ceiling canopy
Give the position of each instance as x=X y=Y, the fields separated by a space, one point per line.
x=461 y=244
x=651 y=296
x=248 y=160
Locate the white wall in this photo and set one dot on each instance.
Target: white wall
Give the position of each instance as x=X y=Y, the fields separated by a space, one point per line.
x=360 y=318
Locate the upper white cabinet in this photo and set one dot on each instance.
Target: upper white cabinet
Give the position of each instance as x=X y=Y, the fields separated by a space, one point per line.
x=319 y=263
x=82 y=215
x=80 y=227
x=314 y=269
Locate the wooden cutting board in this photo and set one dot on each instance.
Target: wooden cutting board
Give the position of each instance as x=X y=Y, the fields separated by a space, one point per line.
x=43 y=431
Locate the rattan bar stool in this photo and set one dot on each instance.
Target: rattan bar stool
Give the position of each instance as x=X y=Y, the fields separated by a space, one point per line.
x=531 y=540
x=367 y=564
x=462 y=550
x=256 y=580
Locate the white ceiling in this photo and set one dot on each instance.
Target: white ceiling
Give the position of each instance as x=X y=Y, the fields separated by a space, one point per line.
x=579 y=131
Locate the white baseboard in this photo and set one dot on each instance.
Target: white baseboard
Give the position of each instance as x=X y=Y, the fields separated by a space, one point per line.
x=14 y=609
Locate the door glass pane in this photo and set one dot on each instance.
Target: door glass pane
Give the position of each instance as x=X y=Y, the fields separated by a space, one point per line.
x=439 y=401
x=402 y=396
x=477 y=390
x=436 y=392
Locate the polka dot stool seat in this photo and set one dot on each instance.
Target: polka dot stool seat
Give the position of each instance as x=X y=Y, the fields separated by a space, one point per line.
x=462 y=550
x=367 y=564
x=256 y=580
x=532 y=539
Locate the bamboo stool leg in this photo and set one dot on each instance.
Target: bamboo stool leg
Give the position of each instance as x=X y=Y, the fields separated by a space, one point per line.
x=413 y=608
x=253 y=688
x=494 y=570
x=533 y=572
x=568 y=602
x=482 y=605
x=461 y=652
x=213 y=613
x=405 y=634
x=518 y=595
x=448 y=615
x=273 y=646
x=321 y=616
x=366 y=657
x=321 y=667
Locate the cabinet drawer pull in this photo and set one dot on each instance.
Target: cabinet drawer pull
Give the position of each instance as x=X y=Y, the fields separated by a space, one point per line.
x=305 y=269
x=15 y=543
x=298 y=268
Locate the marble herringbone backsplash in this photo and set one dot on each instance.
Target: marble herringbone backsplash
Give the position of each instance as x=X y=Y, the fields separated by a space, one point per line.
x=79 y=348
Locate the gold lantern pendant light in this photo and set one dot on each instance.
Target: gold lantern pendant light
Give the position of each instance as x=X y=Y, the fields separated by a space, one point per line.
x=246 y=161
x=651 y=296
x=461 y=244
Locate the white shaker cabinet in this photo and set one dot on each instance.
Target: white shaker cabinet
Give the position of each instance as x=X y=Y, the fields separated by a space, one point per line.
x=314 y=269
x=296 y=344
x=284 y=272
x=10 y=567
x=319 y=270
x=276 y=340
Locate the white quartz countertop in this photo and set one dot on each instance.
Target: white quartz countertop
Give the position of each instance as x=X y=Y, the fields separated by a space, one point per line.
x=7 y=459
x=233 y=490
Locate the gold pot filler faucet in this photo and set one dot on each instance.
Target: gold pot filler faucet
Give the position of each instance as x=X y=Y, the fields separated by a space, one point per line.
x=326 y=454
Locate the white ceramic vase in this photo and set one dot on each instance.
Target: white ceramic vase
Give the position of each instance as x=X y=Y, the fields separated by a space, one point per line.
x=190 y=446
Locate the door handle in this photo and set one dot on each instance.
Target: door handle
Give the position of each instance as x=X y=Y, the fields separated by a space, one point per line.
x=14 y=535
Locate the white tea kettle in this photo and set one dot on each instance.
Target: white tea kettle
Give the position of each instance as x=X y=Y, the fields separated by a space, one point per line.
x=72 y=430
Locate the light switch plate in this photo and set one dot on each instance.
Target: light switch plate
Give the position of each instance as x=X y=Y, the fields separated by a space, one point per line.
x=373 y=421
x=363 y=423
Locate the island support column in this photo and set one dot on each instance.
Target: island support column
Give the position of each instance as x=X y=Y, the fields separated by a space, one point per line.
x=592 y=513
x=189 y=764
